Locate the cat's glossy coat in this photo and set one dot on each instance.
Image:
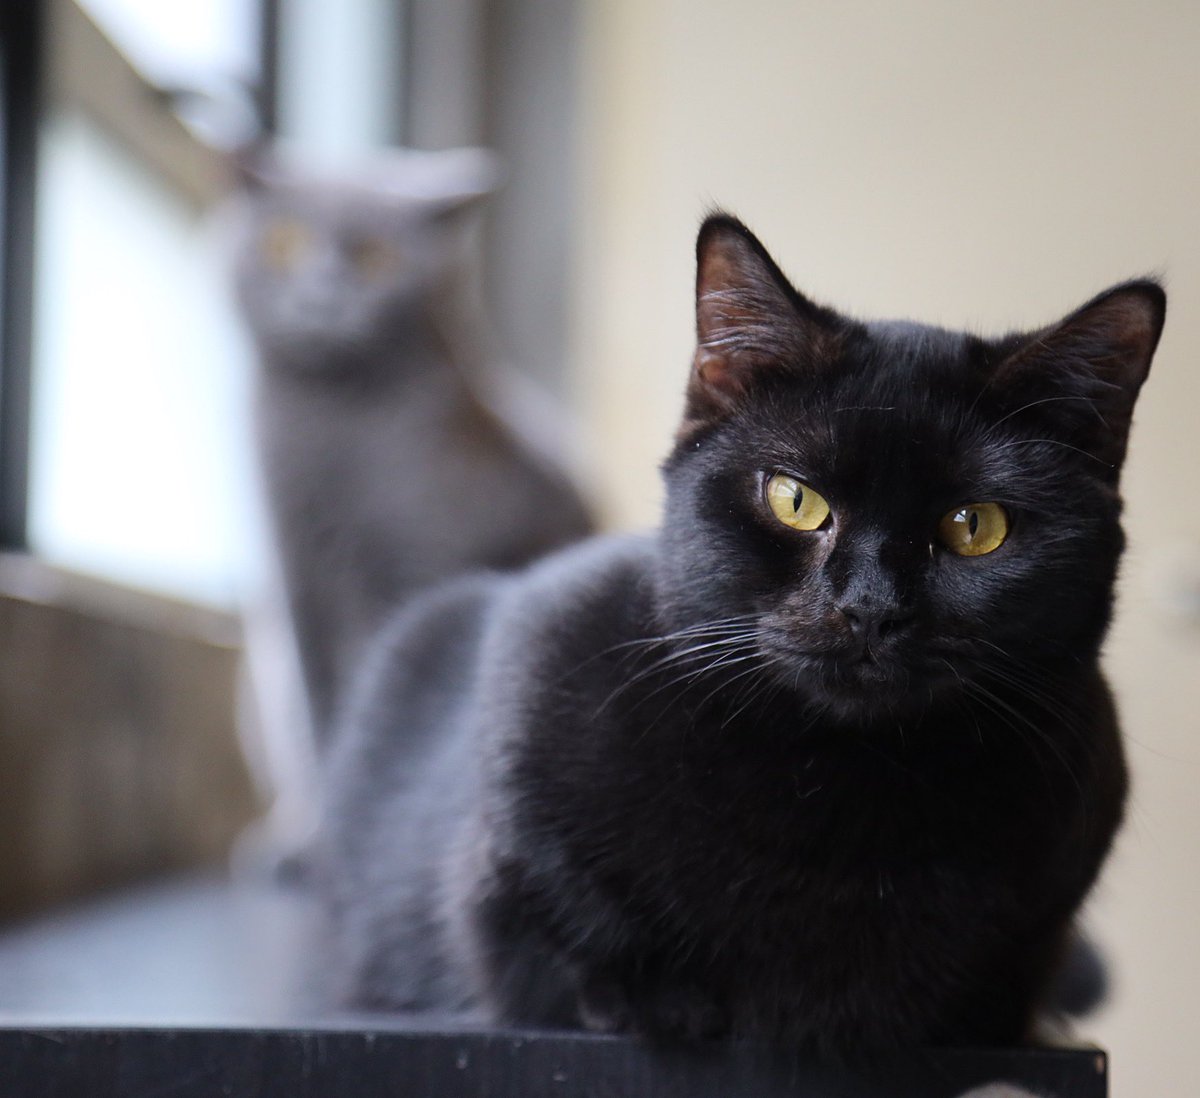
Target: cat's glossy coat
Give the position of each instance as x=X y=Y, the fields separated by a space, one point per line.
x=840 y=788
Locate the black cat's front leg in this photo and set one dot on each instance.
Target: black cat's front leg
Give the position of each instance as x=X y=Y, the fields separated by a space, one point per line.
x=534 y=971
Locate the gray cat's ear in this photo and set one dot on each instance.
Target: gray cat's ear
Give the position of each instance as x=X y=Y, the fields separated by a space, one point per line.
x=1084 y=373
x=444 y=182
x=750 y=321
x=468 y=176
x=256 y=166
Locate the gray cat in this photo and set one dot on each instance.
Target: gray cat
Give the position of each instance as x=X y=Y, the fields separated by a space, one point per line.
x=390 y=457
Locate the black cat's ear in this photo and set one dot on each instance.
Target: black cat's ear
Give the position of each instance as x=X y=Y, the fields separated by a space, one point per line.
x=750 y=322
x=1085 y=372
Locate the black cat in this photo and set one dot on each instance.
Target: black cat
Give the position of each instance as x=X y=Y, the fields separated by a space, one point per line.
x=829 y=760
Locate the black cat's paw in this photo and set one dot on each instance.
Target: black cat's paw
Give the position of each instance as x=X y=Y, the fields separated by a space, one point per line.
x=603 y=1005
x=998 y=1090
x=682 y=1014
x=670 y=1014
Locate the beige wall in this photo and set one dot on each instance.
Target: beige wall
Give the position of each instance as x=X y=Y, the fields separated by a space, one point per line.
x=973 y=164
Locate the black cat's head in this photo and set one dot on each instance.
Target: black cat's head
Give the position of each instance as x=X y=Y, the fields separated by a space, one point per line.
x=892 y=511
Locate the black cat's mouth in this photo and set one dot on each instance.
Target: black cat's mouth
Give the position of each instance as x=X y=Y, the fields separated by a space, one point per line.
x=861 y=680
x=861 y=683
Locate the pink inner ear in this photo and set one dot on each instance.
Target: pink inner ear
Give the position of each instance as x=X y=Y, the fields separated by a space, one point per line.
x=721 y=270
x=713 y=370
x=743 y=316
x=1128 y=321
x=1113 y=337
x=735 y=289
x=749 y=322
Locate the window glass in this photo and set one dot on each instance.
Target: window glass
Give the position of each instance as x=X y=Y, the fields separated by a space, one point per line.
x=180 y=39
x=139 y=464
x=339 y=71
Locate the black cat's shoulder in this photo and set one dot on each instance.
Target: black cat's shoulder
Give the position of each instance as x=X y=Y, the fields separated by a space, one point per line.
x=489 y=634
x=579 y=598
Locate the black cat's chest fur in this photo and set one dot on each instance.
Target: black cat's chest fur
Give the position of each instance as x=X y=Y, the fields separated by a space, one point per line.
x=772 y=810
x=731 y=847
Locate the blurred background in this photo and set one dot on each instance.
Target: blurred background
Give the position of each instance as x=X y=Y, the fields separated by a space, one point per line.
x=989 y=166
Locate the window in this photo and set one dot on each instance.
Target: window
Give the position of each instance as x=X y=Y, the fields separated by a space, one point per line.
x=137 y=460
x=139 y=466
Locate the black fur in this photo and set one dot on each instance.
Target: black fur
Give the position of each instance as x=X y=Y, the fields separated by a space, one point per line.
x=659 y=785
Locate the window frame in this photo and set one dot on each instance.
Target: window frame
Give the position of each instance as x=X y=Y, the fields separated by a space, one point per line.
x=21 y=24
x=54 y=54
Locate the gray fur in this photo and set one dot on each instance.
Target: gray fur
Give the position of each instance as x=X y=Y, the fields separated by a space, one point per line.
x=389 y=462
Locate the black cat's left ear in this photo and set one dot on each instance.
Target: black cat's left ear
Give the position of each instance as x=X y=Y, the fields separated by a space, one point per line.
x=750 y=322
x=1086 y=371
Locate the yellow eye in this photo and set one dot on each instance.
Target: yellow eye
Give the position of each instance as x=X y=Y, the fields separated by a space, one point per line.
x=795 y=504
x=974 y=530
x=372 y=258
x=283 y=242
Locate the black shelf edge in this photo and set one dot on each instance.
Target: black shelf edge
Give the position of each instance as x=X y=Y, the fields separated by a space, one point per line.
x=384 y=1060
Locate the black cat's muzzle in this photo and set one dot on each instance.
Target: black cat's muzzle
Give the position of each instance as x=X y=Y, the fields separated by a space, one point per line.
x=863 y=679
x=861 y=676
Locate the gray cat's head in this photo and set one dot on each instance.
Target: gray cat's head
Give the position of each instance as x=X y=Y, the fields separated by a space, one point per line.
x=330 y=265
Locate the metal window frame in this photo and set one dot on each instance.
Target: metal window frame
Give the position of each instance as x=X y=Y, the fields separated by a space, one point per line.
x=477 y=71
x=83 y=68
x=54 y=53
x=21 y=24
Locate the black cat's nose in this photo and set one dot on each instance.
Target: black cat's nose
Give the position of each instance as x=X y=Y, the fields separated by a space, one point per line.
x=871 y=624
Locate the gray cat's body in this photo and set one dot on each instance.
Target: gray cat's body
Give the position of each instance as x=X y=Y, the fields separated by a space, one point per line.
x=382 y=488
x=387 y=461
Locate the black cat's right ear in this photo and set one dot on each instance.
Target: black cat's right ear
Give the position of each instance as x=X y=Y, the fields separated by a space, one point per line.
x=750 y=322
